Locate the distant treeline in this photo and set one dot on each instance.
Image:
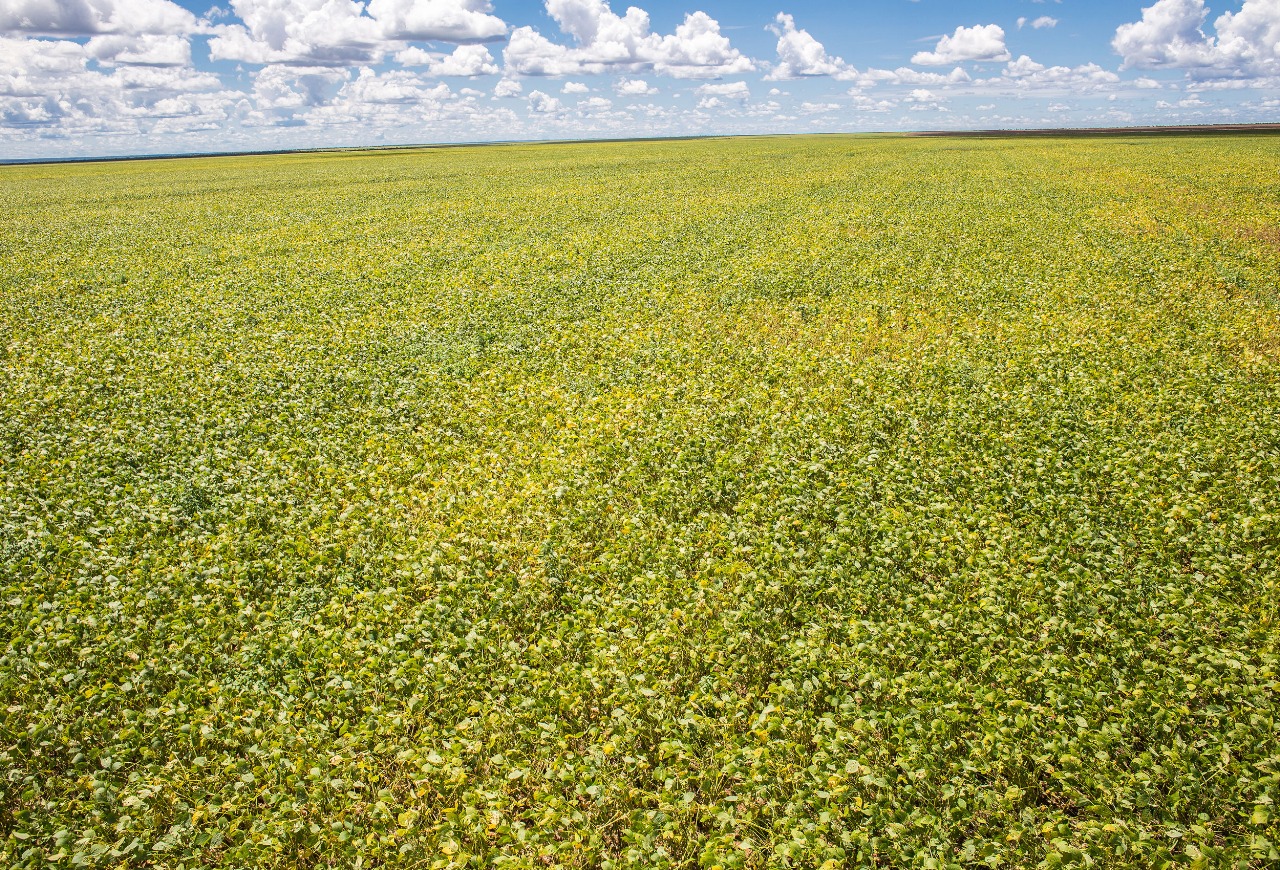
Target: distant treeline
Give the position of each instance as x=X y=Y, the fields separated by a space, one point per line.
x=1214 y=129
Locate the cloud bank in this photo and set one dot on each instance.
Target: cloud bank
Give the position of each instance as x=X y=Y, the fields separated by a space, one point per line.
x=133 y=76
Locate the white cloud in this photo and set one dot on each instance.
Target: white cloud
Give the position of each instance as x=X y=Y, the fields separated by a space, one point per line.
x=38 y=60
x=415 y=56
x=1022 y=74
x=309 y=32
x=1023 y=66
x=146 y=49
x=1171 y=34
x=728 y=90
x=466 y=61
x=870 y=104
x=381 y=101
x=634 y=88
x=280 y=86
x=764 y=110
x=544 y=104
x=607 y=42
x=981 y=42
x=47 y=86
x=459 y=21
x=595 y=105
x=117 y=76
x=1026 y=72
x=188 y=113
x=1224 y=84
x=905 y=75
x=88 y=17
x=508 y=88
x=395 y=86
x=800 y=55
x=1039 y=23
x=1192 y=102
x=338 y=32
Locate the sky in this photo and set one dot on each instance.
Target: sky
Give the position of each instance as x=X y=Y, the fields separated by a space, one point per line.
x=83 y=78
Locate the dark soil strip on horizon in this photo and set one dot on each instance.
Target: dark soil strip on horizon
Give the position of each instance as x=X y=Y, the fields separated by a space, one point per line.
x=1202 y=129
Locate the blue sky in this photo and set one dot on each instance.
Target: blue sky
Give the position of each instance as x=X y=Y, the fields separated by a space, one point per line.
x=99 y=77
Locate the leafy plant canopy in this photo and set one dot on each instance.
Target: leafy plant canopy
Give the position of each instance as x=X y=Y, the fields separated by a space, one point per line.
x=798 y=502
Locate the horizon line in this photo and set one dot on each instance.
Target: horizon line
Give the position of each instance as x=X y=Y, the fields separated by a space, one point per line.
x=1136 y=130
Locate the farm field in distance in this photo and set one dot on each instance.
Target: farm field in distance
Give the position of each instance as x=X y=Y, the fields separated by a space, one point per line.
x=784 y=502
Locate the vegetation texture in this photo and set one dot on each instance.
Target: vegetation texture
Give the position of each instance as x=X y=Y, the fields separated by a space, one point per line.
x=754 y=503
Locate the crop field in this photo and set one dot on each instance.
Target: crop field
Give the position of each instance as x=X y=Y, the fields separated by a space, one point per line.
x=797 y=502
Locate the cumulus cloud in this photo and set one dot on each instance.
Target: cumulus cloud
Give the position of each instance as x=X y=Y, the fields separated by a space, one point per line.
x=634 y=88
x=729 y=90
x=120 y=73
x=607 y=42
x=294 y=87
x=595 y=105
x=1171 y=34
x=800 y=55
x=47 y=85
x=981 y=42
x=147 y=49
x=339 y=32
x=459 y=21
x=1027 y=73
x=544 y=104
x=308 y=32
x=381 y=101
x=508 y=88
x=869 y=104
x=395 y=86
x=1021 y=74
x=905 y=75
x=89 y=17
x=465 y=61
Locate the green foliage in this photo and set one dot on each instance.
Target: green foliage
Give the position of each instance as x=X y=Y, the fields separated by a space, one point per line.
x=811 y=502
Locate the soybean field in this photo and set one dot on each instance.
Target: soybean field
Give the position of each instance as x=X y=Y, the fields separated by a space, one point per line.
x=811 y=502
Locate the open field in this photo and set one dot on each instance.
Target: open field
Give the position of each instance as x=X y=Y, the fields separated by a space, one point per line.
x=773 y=502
